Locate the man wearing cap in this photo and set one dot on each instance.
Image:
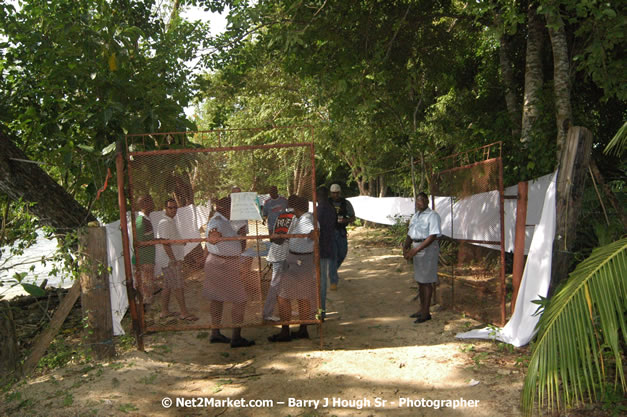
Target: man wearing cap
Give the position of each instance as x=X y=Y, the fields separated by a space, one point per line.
x=345 y=216
x=422 y=246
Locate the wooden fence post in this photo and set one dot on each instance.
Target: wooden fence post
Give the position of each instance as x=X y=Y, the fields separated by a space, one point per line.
x=95 y=295
x=519 y=240
x=573 y=169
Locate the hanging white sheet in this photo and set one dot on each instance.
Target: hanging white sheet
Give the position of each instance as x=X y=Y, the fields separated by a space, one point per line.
x=474 y=218
x=521 y=327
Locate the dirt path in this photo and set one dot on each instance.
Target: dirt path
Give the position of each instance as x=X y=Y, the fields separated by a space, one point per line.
x=373 y=362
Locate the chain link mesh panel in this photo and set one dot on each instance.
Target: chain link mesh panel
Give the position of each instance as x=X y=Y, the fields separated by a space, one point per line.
x=472 y=263
x=200 y=237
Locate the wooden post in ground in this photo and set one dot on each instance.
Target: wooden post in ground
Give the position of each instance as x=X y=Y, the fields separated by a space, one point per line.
x=573 y=169
x=519 y=240
x=9 y=352
x=95 y=295
x=43 y=340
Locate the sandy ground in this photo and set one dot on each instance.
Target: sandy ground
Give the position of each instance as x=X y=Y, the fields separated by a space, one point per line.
x=374 y=361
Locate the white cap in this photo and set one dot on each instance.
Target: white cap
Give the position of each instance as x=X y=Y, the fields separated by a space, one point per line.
x=335 y=188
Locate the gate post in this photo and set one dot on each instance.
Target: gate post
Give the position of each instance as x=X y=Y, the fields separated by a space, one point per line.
x=519 y=240
x=95 y=294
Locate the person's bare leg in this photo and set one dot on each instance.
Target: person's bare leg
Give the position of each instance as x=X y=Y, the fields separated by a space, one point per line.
x=215 y=310
x=304 y=312
x=285 y=312
x=165 y=303
x=180 y=299
x=426 y=290
x=237 y=315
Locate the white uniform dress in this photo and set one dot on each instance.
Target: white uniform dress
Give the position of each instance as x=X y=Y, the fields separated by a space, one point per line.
x=298 y=281
x=422 y=225
x=222 y=268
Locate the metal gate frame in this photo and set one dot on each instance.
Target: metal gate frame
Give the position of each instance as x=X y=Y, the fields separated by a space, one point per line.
x=125 y=155
x=488 y=154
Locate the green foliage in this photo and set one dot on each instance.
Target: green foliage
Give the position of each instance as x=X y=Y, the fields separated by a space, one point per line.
x=60 y=353
x=69 y=91
x=578 y=347
x=618 y=144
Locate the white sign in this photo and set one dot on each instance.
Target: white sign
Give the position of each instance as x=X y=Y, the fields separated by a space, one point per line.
x=245 y=206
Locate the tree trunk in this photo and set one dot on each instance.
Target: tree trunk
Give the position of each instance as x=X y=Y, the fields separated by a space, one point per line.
x=561 y=77
x=22 y=178
x=533 y=73
x=9 y=352
x=507 y=78
x=573 y=169
x=608 y=193
x=382 y=186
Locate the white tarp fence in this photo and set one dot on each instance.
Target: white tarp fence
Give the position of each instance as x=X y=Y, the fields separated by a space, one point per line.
x=474 y=218
x=521 y=327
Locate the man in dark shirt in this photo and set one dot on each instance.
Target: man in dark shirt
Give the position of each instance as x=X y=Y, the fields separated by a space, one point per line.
x=327 y=220
x=345 y=216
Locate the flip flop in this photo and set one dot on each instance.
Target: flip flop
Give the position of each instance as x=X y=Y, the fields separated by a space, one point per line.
x=170 y=314
x=189 y=317
x=279 y=338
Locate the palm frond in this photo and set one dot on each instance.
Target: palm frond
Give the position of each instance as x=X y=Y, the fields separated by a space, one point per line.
x=578 y=334
x=618 y=144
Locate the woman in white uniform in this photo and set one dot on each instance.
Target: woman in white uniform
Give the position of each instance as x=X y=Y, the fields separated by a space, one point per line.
x=223 y=281
x=422 y=246
x=298 y=280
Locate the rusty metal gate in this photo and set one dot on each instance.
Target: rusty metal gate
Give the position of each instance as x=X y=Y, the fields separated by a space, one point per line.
x=202 y=221
x=471 y=202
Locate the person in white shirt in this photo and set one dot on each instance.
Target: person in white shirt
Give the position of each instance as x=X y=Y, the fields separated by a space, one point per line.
x=170 y=261
x=422 y=246
x=223 y=281
x=298 y=280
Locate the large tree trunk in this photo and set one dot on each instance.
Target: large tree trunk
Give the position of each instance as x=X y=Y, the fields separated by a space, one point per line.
x=22 y=178
x=9 y=353
x=507 y=78
x=533 y=72
x=573 y=169
x=561 y=77
x=383 y=188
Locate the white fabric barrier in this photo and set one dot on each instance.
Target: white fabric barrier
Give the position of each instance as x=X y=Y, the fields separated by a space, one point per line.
x=474 y=218
x=521 y=327
x=117 y=277
x=383 y=210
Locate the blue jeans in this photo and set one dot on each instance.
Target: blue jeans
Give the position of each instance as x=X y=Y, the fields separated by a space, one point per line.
x=273 y=291
x=341 y=249
x=327 y=265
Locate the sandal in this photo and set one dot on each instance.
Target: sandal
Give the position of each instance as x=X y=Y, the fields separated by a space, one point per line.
x=169 y=314
x=279 y=338
x=189 y=317
x=241 y=342
x=220 y=338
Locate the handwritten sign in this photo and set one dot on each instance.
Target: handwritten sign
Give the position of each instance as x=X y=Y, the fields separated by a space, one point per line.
x=245 y=206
